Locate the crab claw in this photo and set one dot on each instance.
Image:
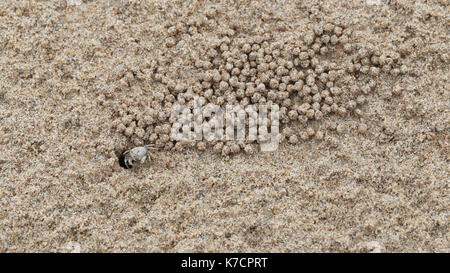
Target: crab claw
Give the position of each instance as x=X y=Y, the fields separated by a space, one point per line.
x=143 y=159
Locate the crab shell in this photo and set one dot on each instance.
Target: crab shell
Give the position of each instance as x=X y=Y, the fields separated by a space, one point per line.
x=138 y=154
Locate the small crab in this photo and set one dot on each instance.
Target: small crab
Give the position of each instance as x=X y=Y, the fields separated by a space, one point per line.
x=136 y=154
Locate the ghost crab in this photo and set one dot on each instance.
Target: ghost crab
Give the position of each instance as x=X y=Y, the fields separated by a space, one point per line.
x=136 y=154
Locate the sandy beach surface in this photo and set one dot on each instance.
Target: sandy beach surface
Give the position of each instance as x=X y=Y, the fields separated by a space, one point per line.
x=364 y=161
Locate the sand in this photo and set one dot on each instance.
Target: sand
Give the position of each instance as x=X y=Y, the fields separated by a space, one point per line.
x=63 y=190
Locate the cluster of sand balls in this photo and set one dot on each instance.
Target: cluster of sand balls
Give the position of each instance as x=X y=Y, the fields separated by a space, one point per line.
x=321 y=73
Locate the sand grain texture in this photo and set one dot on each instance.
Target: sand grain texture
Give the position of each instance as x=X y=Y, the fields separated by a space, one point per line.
x=378 y=182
